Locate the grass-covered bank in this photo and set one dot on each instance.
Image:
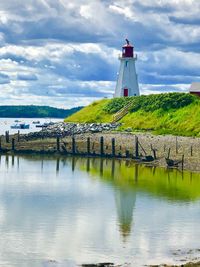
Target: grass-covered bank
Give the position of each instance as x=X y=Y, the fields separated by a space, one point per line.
x=169 y=113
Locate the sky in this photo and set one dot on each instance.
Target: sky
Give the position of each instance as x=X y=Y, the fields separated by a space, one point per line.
x=65 y=53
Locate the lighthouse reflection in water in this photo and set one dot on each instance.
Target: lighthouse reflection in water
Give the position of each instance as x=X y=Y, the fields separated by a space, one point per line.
x=64 y=211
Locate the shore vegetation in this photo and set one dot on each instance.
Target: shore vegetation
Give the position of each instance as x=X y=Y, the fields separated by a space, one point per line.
x=167 y=113
x=32 y=111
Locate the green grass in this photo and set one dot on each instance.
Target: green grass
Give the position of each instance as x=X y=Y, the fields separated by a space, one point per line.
x=169 y=113
x=92 y=113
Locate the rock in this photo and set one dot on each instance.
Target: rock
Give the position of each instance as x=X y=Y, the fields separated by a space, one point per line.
x=63 y=129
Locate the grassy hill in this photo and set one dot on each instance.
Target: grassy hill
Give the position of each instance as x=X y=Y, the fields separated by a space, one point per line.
x=169 y=113
x=35 y=112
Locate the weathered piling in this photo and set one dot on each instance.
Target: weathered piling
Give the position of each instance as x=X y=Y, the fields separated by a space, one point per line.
x=101 y=146
x=154 y=152
x=136 y=147
x=176 y=145
x=168 y=155
x=88 y=145
x=13 y=144
x=7 y=136
x=58 y=143
x=18 y=136
x=113 y=147
x=73 y=145
x=182 y=162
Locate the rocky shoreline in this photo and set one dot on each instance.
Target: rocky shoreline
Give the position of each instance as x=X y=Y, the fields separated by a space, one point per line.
x=63 y=129
x=73 y=140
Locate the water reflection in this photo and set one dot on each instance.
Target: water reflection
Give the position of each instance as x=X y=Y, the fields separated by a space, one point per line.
x=125 y=203
x=107 y=210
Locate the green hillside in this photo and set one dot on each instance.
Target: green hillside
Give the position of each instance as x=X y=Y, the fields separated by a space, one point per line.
x=35 y=112
x=169 y=113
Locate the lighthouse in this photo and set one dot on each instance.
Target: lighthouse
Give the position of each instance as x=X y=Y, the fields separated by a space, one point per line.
x=127 y=81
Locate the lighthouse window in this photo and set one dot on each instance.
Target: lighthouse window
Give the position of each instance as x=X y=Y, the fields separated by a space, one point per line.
x=126 y=63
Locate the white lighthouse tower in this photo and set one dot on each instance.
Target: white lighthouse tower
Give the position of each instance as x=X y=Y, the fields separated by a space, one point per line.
x=127 y=81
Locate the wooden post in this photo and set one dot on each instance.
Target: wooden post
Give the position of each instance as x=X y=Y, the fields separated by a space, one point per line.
x=13 y=144
x=191 y=151
x=154 y=152
x=18 y=136
x=164 y=147
x=168 y=153
x=101 y=146
x=58 y=143
x=88 y=145
x=73 y=145
x=182 y=161
x=7 y=136
x=176 y=145
x=113 y=147
x=136 y=147
x=64 y=147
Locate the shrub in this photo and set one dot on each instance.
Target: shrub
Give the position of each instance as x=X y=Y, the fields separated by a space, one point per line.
x=116 y=104
x=165 y=101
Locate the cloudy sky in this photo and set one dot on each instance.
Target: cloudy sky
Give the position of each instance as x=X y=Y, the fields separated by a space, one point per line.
x=65 y=53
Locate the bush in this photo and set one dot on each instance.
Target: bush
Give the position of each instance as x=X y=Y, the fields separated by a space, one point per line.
x=116 y=104
x=165 y=101
x=150 y=103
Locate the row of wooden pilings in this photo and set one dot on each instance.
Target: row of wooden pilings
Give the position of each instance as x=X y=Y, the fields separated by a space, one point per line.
x=61 y=146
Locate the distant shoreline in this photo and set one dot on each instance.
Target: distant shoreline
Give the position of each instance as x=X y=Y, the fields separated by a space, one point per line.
x=31 y=112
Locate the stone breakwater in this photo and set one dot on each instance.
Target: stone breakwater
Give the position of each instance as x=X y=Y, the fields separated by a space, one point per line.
x=63 y=129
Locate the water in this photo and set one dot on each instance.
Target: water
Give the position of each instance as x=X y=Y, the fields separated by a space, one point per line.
x=5 y=124
x=65 y=211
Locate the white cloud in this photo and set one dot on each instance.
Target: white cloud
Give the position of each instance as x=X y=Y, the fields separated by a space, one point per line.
x=55 y=49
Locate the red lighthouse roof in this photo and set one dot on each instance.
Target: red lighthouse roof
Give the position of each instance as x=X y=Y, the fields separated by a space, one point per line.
x=127 y=49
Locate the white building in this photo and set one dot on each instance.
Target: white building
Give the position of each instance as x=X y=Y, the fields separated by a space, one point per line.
x=127 y=81
x=195 y=88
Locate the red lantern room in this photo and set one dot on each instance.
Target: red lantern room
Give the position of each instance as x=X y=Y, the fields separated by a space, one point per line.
x=127 y=49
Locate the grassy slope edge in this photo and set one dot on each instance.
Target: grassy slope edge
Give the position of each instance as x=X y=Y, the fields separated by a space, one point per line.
x=169 y=113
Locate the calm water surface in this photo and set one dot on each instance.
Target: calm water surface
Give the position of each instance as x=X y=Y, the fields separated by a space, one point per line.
x=67 y=211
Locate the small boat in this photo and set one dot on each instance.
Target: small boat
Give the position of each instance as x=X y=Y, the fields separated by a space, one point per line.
x=20 y=126
x=44 y=125
x=36 y=122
